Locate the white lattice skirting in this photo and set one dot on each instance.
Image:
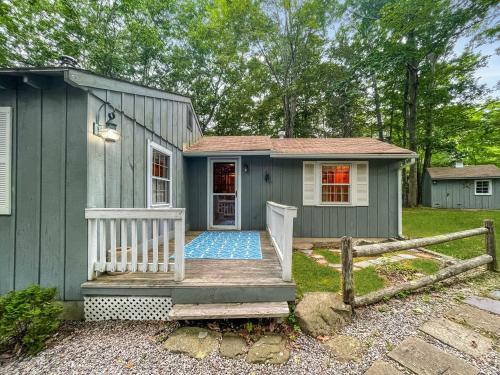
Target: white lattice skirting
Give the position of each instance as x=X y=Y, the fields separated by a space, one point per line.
x=127 y=308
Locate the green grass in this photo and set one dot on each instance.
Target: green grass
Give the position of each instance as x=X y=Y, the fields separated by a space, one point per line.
x=424 y=222
x=328 y=255
x=425 y=266
x=309 y=276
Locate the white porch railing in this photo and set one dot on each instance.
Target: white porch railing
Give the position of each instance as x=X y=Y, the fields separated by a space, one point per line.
x=135 y=233
x=279 y=219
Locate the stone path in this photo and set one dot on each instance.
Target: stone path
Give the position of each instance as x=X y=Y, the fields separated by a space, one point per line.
x=320 y=259
x=471 y=329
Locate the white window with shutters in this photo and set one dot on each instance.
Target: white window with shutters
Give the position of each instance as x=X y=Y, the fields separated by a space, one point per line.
x=335 y=183
x=5 y=159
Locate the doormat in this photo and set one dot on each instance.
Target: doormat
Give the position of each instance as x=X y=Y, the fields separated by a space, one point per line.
x=225 y=245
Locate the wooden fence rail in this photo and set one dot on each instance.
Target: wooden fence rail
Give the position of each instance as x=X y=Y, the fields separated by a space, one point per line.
x=349 y=252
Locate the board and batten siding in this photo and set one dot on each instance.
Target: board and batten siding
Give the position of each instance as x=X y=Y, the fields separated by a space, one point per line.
x=460 y=194
x=117 y=172
x=284 y=185
x=41 y=238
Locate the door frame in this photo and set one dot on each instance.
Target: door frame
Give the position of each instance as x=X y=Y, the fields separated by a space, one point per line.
x=210 y=218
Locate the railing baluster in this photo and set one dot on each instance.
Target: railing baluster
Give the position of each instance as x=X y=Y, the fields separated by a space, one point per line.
x=102 y=248
x=92 y=248
x=144 y=245
x=112 y=232
x=124 y=259
x=155 y=246
x=133 y=227
x=135 y=259
x=166 y=250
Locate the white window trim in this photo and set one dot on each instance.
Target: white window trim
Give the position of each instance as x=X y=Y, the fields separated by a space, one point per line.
x=155 y=146
x=319 y=184
x=490 y=187
x=353 y=178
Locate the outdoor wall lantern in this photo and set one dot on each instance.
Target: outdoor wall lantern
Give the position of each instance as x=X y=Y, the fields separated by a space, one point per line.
x=106 y=131
x=245 y=168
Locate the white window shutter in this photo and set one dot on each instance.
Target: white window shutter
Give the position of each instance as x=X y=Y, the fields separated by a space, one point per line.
x=360 y=178
x=5 y=159
x=309 y=185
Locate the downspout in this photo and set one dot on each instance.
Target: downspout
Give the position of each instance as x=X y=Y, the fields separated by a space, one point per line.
x=400 y=195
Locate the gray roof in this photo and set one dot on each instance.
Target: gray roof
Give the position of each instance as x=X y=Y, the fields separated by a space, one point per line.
x=469 y=171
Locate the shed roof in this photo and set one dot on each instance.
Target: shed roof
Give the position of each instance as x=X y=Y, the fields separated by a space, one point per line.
x=296 y=147
x=469 y=171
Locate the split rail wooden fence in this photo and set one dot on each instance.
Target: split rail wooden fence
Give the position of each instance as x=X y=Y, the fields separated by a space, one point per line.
x=349 y=252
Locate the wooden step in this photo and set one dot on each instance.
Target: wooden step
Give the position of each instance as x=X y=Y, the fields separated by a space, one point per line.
x=229 y=311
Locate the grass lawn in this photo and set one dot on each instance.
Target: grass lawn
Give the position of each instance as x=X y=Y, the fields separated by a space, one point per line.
x=424 y=222
x=328 y=255
x=309 y=276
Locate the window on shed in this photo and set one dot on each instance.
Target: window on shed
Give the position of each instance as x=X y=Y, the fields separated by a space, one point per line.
x=159 y=176
x=189 y=119
x=483 y=187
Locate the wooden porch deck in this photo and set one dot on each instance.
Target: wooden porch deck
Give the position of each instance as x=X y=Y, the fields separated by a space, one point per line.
x=206 y=280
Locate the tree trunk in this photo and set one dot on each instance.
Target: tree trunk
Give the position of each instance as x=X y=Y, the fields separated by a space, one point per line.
x=290 y=112
x=411 y=114
x=376 y=97
x=429 y=124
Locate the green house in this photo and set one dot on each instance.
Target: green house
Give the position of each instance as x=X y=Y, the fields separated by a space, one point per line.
x=110 y=192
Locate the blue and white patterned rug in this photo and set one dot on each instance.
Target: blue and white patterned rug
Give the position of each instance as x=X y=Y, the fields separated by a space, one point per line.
x=225 y=245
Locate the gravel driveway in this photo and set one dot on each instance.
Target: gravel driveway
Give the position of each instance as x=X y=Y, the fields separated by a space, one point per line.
x=133 y=348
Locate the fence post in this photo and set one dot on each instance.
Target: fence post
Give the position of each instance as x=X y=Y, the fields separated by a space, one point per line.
x=491 y=245
x=347 y=271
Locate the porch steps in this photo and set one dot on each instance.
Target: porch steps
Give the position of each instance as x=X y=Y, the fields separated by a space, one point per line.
x=229 y=311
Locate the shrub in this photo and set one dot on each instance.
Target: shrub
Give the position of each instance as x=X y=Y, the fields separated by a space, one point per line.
x=28 y=318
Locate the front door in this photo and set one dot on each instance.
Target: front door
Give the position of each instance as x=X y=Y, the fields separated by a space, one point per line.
x=223 y=193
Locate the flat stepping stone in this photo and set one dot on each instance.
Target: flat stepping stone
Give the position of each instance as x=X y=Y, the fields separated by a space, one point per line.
x=382 y=368
x=345 y=348
x=458 y=336
x=425 y=359
x=483 y=303
x=269 y=349
x=475 y=318
x=495 y=295
x=406 y=256
x=193 y=341
x=363 y=264
x=232 y=346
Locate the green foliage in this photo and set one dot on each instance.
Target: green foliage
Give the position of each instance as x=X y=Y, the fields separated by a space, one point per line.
x=311 y=67
x=28 y=318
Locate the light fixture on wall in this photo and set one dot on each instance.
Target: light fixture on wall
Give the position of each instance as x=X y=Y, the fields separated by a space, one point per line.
x=106 y=131
x=245 y=168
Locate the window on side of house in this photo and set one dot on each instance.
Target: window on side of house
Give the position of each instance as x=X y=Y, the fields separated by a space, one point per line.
x=482 y=187
x=159 y=176
x=335 y=184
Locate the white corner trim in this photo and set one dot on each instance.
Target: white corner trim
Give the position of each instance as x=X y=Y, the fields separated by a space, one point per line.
x=149 y=175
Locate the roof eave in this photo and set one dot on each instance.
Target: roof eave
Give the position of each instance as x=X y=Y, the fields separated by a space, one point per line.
x=344 y=156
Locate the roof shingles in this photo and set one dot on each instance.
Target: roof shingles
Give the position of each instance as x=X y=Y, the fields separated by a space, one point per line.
x=469 y=171
x=294 y=146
